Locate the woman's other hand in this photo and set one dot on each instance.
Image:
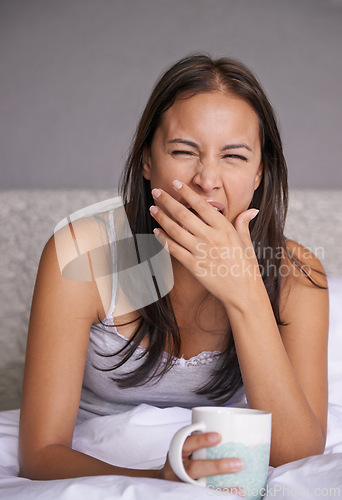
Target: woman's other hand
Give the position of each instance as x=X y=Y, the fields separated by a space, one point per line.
x=201 y=468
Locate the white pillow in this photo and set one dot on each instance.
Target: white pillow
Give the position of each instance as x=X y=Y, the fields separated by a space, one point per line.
x=335 y=340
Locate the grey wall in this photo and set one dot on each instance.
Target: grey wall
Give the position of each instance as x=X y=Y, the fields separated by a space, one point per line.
x=75 y=75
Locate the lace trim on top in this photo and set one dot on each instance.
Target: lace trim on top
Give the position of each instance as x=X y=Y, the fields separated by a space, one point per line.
x=203 y=358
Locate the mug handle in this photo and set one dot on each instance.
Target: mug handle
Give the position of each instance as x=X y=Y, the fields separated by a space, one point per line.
x=175 y=451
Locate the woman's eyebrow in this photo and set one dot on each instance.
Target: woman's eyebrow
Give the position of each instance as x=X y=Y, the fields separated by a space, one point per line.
x=184 y=141
x=237 y=146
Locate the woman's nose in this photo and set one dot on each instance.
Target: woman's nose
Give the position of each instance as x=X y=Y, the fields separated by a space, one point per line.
x=208 y=175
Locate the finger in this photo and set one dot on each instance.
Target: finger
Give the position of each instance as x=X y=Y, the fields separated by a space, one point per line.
x=176 y=250
x=203 y=208
x=171 y=229
x=242 y=225
x=198 y=441
x=204 y=468
x=171 y=212
x=178 y=212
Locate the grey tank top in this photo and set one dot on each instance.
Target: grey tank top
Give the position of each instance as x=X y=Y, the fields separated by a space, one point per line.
x=101 y=395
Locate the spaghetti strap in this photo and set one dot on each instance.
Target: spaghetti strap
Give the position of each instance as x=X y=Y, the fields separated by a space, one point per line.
x=112 y=239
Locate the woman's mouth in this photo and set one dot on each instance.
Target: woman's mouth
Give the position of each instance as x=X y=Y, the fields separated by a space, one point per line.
x=217 y=205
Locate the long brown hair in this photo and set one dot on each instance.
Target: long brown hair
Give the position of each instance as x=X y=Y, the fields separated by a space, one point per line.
x=192 y=75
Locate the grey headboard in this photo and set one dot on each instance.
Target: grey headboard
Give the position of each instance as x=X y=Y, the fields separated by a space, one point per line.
x=315 y=220
x=28 y=219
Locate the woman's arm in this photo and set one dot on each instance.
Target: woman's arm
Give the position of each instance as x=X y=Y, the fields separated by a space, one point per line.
x=61 y=317
x=284 y=369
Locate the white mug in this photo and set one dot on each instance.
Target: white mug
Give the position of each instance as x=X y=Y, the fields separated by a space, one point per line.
x=246 y=434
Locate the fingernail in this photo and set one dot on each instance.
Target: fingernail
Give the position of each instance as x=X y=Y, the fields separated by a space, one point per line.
x=156 y=193
x=254 y=214
x=235 y=464
x=213 y=437
x=177 y=184
x=153 y=209
x=156 y=231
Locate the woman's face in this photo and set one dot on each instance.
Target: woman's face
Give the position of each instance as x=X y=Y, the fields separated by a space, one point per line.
x=211 y=143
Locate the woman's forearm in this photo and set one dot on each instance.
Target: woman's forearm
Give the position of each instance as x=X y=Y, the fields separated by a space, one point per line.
x=60 y=462
x=270 y=382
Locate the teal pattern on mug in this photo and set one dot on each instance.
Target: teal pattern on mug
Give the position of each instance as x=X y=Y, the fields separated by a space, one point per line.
x=252 y=478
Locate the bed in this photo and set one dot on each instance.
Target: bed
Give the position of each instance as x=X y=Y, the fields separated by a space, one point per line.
x=140 y=438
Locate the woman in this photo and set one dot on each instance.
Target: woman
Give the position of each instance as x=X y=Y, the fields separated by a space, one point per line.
x=248 y=305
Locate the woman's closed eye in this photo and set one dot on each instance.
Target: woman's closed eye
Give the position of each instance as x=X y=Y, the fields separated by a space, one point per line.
x=179 y=152
x=238 y=157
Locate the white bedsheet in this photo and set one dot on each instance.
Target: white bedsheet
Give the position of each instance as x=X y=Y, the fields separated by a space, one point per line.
x=140 y=439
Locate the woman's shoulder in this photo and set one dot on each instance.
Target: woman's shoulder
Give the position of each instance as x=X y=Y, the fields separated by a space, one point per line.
x=76 y=259
x=301 y=266
x=82 y=248
x=303 y=282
